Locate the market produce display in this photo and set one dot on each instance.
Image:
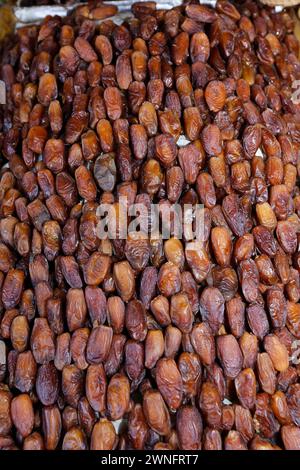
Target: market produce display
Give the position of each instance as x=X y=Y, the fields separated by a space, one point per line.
x=151 y=343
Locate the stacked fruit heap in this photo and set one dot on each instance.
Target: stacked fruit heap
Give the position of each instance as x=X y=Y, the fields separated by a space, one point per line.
x=191 y=348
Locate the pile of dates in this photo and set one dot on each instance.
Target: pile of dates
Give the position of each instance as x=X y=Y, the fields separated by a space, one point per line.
x=144 y=343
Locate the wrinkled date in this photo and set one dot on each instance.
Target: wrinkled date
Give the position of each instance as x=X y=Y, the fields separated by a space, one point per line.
x=138 y=342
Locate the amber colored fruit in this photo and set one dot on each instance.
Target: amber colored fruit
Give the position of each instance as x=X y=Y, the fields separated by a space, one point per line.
x=290 y=436
x=5 y=415
x=210 y=405
x=124 y=279
x=51 y=423
x=118 y=395
x=230 y=355
x=189 y=427
x=154 y=347
x=103 y=436
x=169 y=382
x=277 y=352
x=22 y=414
x=181 y=312
x=266 y=373
x=203 y=343
x=156 y=412
x=215 y=95
x=212 y=307
x=98 y=344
